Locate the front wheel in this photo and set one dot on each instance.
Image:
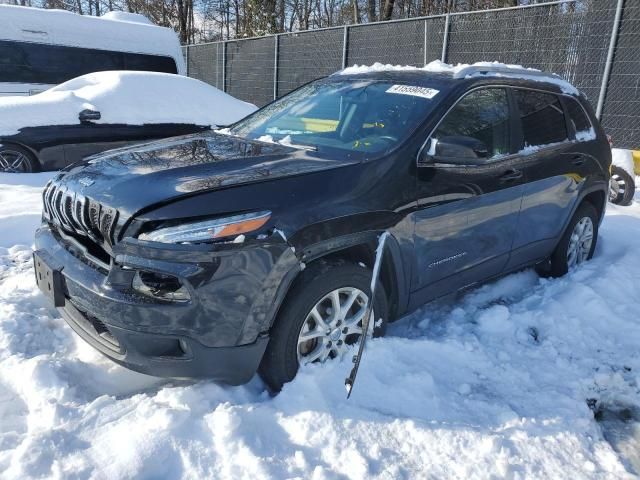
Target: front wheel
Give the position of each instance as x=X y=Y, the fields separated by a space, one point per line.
x=321 y=319
x=14 y=159
x=578 y=242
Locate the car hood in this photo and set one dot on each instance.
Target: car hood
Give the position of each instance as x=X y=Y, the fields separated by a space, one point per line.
x=133 y=178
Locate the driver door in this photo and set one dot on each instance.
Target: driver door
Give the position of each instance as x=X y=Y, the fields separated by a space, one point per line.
x=467 y=210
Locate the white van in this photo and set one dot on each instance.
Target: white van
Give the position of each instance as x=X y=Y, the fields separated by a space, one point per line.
x=41 y=48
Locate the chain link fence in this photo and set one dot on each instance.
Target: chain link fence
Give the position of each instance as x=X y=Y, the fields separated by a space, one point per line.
x=592 y=43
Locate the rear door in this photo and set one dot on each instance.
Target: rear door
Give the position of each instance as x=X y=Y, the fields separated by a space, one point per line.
x=553 y=171
x=467 y=215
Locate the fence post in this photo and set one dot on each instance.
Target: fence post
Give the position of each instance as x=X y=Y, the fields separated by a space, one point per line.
x=607 y=68
x=275 y=66
x=224 y=66
x=186 y=59
x=424 y=47
x=345 y=41
x=218 y=65
x=445 y=39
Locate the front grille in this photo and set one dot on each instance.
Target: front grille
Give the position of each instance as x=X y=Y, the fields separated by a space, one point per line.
x=77 y=214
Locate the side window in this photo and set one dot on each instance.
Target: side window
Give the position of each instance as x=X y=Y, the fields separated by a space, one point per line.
x=38 y=63
x=482 y=115
x=542 y=118
x=578 y=118
x=23 y=62
x=149 y=63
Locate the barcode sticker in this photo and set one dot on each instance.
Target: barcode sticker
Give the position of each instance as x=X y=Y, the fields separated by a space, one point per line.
x=423 y=92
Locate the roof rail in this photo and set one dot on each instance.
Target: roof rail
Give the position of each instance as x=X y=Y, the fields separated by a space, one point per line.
x=503 y=70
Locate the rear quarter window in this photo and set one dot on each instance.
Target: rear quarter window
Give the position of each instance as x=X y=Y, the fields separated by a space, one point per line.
x=542 y=118
x=579 y=120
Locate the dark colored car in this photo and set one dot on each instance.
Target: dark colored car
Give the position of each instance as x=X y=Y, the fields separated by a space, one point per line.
x=105 y=110
x=53 y=147
x=220 y=254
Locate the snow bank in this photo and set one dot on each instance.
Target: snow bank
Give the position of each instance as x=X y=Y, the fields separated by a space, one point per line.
x=20 y=207
x=133 y=98
x=490 y=385
x=437 y=66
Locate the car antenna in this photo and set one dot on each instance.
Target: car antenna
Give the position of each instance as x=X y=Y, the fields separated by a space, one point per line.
x=351 y=379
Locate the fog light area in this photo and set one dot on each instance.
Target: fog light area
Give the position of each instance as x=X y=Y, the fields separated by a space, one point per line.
x=160 y=286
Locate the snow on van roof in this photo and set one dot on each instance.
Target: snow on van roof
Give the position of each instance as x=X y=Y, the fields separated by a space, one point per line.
x=127 y=17
x=113 y=31
x=464 y=70
x=124 y=97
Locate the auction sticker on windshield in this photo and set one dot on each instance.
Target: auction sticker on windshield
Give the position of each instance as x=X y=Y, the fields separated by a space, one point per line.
x=423 y=92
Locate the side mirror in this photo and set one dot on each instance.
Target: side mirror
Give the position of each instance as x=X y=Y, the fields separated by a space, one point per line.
x=455 y=150
x=88 y=116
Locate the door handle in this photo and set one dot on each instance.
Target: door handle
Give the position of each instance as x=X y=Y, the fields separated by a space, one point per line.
x=511 y=175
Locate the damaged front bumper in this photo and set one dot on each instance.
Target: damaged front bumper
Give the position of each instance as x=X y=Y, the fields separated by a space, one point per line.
x=219 y=332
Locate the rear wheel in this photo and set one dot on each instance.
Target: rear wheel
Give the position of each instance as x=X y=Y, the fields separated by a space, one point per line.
x=321 y=320
x=578 y=242
x=14 y=159
x=622 y=186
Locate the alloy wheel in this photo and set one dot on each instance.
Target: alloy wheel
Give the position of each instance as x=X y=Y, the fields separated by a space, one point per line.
x=333 y=324
x=614 y=189
x=12 y=161
x=580 y=242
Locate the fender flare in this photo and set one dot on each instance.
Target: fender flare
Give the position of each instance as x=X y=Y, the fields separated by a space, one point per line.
x=335 y=245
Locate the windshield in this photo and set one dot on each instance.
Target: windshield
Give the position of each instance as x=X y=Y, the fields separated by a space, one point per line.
x=348 y=116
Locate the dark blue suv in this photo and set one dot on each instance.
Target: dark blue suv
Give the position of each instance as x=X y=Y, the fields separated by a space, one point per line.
x=250 y=249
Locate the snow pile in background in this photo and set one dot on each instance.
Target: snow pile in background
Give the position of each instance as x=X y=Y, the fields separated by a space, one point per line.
x=493 y=384
x=437 y=66
x=623 y=159
x=127 y=97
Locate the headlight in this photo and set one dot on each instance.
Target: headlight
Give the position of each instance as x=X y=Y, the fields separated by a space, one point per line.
x=209 y=229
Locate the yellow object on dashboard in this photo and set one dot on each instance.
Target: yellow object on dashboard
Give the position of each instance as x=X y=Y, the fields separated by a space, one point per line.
x=319 y=124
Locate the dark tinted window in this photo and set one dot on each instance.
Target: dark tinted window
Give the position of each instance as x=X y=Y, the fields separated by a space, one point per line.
x=149 y=63
x=542 y=118
x=577 y=116
x=22 y=62
x=483 y=115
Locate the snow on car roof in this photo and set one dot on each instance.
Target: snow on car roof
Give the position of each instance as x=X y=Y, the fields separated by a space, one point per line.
x=464 y=70
x=124 y=97
x=119 y=31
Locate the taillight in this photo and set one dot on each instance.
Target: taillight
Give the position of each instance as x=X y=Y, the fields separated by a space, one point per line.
x=610 y=140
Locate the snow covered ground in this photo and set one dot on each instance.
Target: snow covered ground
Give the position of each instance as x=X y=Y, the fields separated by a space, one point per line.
x=492 y=384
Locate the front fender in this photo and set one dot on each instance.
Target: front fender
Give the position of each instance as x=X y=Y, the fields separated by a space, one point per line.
x=280 y=281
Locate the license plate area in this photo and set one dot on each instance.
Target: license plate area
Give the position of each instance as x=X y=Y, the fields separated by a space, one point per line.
x=49 y=278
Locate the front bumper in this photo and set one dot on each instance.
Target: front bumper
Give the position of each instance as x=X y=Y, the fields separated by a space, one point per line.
x=166 y=355
x=221 y=333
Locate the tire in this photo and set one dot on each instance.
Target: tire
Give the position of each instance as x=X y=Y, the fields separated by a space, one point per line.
x=561 y=260
x=14 y=159
x=622 y=186
x=281 y=359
